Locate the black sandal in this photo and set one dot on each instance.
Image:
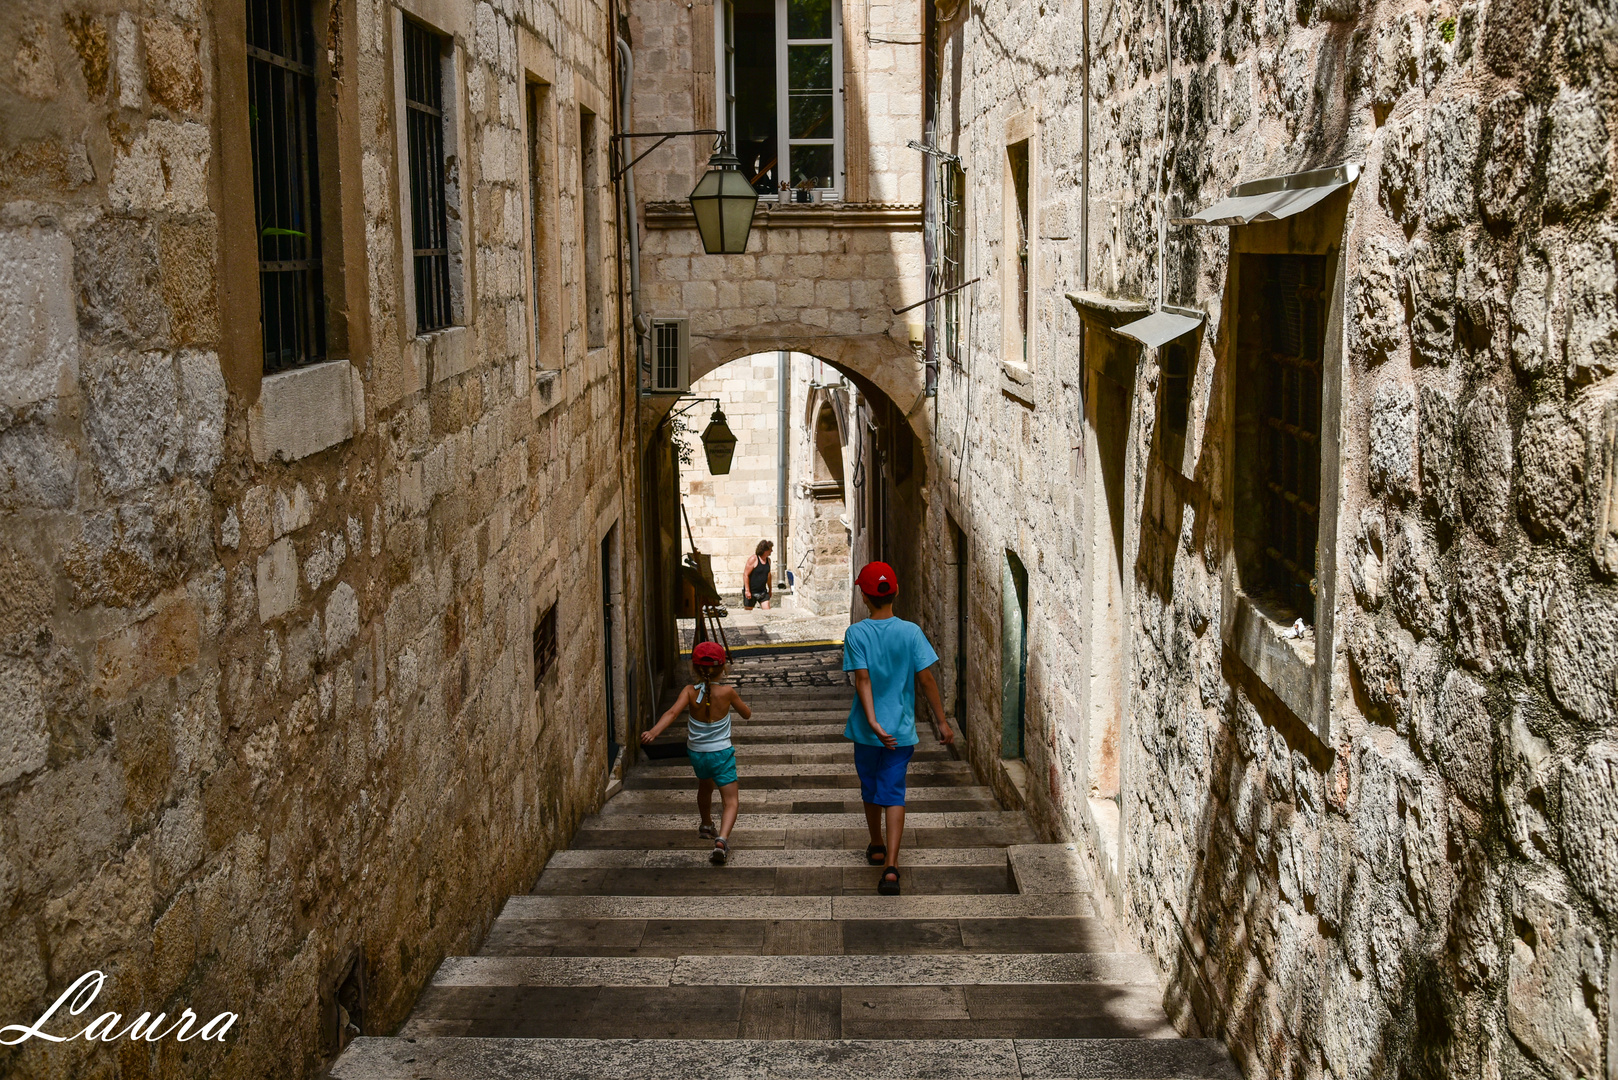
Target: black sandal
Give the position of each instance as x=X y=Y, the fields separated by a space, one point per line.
x=876 y=854
x=721 y=852
x=889 y=885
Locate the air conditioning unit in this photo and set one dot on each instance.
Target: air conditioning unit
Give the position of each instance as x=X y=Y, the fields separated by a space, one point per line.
x=671 y=356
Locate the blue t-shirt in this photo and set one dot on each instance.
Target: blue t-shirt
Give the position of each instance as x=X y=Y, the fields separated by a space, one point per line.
x=893 y=651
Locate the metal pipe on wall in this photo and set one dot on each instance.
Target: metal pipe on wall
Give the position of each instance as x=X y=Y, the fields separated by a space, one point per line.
x=783 y=390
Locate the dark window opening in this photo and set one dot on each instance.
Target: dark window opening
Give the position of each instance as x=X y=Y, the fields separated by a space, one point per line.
x=544 y=645
x=1280 y=344
x=1017 y=160
x=1174 y=364
x=286 y=181
x=429 y=197
x=590 y=210
x=752 y=86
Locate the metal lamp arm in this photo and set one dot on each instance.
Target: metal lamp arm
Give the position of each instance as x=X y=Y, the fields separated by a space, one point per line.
x=721 y=141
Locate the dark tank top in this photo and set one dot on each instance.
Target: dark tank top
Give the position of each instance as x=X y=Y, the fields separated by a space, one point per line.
x=759 y=580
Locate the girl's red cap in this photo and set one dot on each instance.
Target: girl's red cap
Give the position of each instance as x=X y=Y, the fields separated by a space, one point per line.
x=879 y=580
x=708 y=654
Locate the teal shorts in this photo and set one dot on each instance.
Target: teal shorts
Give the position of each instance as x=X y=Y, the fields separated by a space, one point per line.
x=716 y=765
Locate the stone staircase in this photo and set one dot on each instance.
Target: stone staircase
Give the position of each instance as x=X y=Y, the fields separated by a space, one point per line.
x=633 y=957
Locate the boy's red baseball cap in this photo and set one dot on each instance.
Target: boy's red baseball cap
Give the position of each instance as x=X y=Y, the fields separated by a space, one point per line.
x=878 y=580
x=708 y=654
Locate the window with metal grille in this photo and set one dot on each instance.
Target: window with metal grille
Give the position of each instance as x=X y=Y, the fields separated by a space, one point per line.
x=666 y=354
x=544 y=644
x=1294 y=328
x=536 y=216
x=1017 y=175
x=951 y=251
x=286 y=181
x=1174 y=364
x=429 y=217
x=590 y=215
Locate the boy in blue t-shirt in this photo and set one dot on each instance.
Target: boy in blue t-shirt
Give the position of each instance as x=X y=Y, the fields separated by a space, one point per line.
x=889 y=657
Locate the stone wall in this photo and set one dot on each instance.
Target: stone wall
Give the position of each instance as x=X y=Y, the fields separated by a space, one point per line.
x=1415 y=876
x=267 y=700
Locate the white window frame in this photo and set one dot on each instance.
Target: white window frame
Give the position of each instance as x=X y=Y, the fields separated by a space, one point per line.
x=725 y=78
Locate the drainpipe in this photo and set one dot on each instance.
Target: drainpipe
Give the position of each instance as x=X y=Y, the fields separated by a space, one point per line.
x=783 y=389
x=637 y=315
x=1163 y=158
x=1084 y=190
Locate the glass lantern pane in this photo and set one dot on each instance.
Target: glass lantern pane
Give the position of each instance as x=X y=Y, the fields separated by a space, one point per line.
x=808 y=19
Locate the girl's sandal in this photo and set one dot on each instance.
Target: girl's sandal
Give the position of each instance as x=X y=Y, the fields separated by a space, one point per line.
x=889 y=885
x=876 y=854
x=721 y=852
x=708 y=831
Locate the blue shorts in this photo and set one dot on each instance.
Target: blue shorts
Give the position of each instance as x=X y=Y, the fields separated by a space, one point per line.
x=716 y=765
x=882 y=773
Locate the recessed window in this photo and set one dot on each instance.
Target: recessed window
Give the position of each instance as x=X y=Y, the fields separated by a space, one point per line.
x=779 y=82
x=1174 y=368
x=544 y=645
x=951 y=252
x=286 y=181
x=429 y=195
x=590 y=212
x=1280 y=342
x=1017 y=247
x=540 y=299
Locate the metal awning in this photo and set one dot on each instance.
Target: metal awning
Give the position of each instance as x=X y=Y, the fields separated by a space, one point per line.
x=1274 y=197
x=1159 y=328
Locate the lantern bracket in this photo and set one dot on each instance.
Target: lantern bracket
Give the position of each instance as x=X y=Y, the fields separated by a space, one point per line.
x=721 y=141
x=687 y=406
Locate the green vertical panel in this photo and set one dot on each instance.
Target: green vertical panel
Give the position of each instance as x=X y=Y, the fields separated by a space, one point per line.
x=1013 y=655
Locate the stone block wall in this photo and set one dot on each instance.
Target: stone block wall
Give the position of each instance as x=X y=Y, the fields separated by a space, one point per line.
x=267 y=701
x=1418 y=880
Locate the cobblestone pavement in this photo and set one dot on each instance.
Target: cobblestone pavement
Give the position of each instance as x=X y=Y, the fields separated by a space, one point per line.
x=634 y=957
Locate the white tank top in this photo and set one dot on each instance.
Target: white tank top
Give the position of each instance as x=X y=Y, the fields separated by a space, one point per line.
x=706 y=736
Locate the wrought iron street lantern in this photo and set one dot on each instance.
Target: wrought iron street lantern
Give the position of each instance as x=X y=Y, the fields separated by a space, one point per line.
x=718 y=443
x=723 y=202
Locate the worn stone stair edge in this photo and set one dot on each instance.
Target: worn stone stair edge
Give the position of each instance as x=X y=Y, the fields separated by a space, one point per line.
x=683 y=800
x=747 y=1059
x=968 y=819
x=755 y=858
x=974 y=969
x=818 y=768
x=789 y=908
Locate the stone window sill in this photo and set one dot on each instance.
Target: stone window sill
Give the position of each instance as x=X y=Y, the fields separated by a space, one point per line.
x=445 y=352
x=306 y=410
x=548 y=391
x=1285 y=665
x=1017 y=382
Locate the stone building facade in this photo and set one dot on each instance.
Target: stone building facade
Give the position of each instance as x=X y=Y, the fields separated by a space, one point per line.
x=1385 y=845
x=272 y=738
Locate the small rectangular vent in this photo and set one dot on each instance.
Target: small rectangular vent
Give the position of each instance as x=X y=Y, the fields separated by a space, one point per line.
x=671 y=349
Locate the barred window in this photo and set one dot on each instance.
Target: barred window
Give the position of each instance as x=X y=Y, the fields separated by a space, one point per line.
x=952 y=251
x=429 y=218
x=666 y=354
x=1174 y=362
x=1291 y=348
x=286 y=181
x=544 y=645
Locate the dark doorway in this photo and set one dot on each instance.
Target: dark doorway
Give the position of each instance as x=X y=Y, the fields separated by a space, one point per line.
x=606 y=649
x=958 y=538
x=1013 y=655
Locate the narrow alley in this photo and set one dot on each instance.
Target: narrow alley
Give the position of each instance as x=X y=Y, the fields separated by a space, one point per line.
x=991 y=965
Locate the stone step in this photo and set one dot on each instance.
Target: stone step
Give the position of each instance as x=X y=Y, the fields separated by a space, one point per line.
x=787 y=777
x=768 y=881
x=838 y=752
x=777 y=857
x=994 y=1010
x=793 y=937
x=923 y=819
x=981 y=969
x=528 y=906
x=746 y=836
x=798 y=1059
x=837 y=772
x=762 y=798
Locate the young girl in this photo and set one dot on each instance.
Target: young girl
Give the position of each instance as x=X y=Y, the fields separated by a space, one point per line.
x=707 y=742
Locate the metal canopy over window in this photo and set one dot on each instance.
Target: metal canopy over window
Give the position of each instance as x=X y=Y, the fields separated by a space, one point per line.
x=1274 y=197
x=286 y=181
x=1160 y=327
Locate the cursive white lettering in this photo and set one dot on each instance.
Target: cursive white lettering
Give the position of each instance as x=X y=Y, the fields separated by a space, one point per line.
x=217 y=1036
x=142 y=1027
x=86 y=986
x=101 y=1028
x=183 y=1025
